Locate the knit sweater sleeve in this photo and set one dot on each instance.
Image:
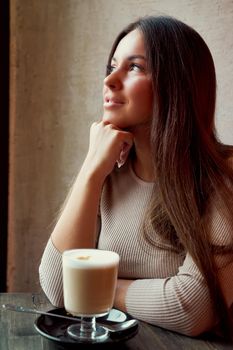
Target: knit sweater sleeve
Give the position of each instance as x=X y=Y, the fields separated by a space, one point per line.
x=181 y=302
x=50 y=274
x=174 y=302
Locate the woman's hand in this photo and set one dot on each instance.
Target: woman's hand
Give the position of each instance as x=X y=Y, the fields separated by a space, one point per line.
x=105 y=147
x=121 y=290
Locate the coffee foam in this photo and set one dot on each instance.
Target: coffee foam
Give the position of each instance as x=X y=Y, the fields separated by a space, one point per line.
x=90 y=258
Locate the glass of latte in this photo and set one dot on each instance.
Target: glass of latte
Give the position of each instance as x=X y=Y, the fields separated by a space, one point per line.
x=89 y=284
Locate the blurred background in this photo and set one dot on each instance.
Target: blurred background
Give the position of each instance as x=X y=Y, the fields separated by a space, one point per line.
x=53 y=57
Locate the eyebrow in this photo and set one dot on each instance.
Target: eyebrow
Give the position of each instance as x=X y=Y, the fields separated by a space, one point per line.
x=132 y=57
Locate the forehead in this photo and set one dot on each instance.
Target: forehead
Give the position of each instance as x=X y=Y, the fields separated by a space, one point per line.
x=131 y=44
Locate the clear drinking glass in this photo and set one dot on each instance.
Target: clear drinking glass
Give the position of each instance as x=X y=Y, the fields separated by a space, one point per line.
x=89 y=284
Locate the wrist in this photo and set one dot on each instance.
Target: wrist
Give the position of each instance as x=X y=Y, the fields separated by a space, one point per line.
x=90 y=177
x=121 y=291
x=93 y=171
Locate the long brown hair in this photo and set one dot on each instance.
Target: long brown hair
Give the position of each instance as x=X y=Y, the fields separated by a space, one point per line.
x=191 y=163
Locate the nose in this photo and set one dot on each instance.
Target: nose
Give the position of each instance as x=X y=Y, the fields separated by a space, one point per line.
x=113 y=80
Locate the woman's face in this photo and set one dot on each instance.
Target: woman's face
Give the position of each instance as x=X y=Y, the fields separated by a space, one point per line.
x=127 y=92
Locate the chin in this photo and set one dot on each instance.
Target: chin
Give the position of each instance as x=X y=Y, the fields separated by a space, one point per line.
x=114 y=121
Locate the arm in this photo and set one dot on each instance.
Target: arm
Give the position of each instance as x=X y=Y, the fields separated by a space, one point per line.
x=181 y=302
x=76 y=227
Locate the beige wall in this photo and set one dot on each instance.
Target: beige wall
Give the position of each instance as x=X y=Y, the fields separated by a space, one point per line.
x=58 y=57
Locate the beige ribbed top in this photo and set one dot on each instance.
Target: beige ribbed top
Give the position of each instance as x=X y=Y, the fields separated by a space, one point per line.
x=168 y=290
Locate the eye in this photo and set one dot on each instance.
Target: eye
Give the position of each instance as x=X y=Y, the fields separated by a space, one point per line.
x=136 y=67
x=110 y=68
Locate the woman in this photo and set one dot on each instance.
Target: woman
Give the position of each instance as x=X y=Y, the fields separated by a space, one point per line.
x=167 y=207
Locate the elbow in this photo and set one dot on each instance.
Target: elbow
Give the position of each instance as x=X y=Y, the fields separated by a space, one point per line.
x=191 y=324
x=192 y=331
x=195 y=316
x=195 y=326
x=55 y=300
x=53 y=291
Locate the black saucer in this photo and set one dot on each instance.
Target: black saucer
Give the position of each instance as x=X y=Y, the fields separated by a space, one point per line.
x=54 y=328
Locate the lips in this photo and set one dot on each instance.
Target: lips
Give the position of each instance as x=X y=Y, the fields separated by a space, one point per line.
x=110 y=101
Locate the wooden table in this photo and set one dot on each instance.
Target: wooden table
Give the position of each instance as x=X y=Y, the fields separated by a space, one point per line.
x=17 y=332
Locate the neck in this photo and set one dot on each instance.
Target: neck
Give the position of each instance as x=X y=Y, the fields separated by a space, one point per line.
x=142 y=163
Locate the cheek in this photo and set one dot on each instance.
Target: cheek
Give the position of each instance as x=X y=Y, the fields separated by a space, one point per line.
x=141 y=87
x=142 y=96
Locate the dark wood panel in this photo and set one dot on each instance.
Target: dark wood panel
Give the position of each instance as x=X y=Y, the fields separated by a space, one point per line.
x=4 y=131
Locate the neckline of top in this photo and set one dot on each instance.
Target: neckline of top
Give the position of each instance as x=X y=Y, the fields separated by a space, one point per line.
x=138 y=179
